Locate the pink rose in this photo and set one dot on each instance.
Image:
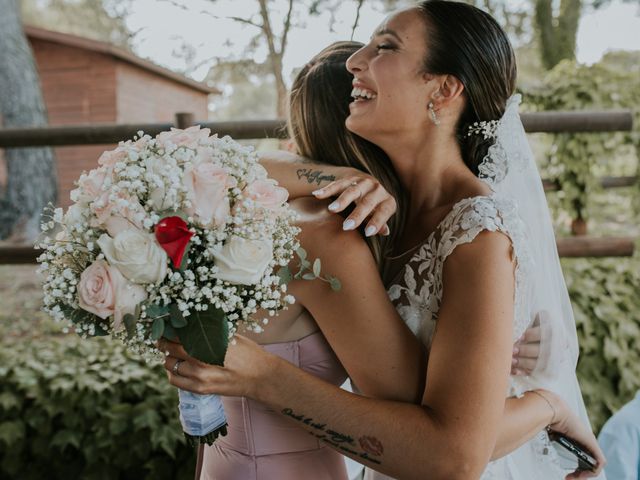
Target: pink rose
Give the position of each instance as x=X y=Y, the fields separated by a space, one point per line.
x=267 y=194
x=207 y=186
x=116 y=215
x=191 y=137
x=104 y=291
x=111 y=157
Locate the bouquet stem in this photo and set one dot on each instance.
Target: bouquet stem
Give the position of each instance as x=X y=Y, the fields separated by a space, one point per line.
x=202 y=417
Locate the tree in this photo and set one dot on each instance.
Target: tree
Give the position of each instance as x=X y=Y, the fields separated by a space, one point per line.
x=557 y=32
x=102 y=20
x=31 y=171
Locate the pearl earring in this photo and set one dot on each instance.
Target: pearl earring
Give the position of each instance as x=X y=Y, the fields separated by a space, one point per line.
x=432 y=111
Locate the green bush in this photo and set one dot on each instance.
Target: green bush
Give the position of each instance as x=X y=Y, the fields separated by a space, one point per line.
x=87 y=409
x=606 y=304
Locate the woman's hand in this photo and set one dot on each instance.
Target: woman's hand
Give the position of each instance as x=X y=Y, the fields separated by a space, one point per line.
x=569 y=425
x=526 y=352
x=246 y=369
x=372 y=201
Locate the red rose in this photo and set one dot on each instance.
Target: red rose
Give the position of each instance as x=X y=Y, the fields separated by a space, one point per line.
x=173 y=235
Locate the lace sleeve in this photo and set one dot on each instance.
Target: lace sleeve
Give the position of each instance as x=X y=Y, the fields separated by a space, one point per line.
x=494 y=214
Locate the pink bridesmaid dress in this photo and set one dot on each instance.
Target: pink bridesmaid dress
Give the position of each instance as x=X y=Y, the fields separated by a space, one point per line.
x=262 y=444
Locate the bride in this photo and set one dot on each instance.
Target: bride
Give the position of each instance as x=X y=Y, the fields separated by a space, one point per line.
x=434 y=90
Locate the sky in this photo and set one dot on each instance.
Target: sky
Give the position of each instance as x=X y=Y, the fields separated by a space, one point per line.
x=164 y=27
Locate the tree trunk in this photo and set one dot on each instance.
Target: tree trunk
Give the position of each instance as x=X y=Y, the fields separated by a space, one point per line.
x=31 y=175
x=557 y=34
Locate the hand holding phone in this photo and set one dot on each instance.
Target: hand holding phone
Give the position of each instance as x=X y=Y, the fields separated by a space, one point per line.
x=572 y=455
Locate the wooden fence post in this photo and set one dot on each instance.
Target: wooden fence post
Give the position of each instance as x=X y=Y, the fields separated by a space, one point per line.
x=184 y=120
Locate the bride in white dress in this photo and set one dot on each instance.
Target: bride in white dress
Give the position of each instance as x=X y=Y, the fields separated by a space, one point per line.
x=479 y=260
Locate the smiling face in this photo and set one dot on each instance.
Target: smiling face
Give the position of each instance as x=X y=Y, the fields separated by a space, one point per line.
x=391 y=92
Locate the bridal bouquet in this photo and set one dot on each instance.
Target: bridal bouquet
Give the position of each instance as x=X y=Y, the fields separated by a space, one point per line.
x=183 y=236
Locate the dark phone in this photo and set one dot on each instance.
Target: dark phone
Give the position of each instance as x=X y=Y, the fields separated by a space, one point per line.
x=570 y=450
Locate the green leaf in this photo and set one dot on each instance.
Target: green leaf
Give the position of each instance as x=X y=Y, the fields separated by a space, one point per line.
x=185 y=258
x=285 y=275
x=63 y=438
x=130 y=324
x=155 y=311
x=170 y=332
x=317 y=266
x=157 y=328
x=100 y=331
x=11 y=432
x=309 y=276
x=177 y=319
x=206 y=335
x=8 y=400
x=336 y=286
x=302 y=253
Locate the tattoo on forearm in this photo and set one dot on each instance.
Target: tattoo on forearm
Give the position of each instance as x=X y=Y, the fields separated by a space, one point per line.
x=367 y=447
x=314 y=176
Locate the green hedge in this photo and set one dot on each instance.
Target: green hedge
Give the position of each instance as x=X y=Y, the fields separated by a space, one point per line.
x=86 y=409
x=606 y=304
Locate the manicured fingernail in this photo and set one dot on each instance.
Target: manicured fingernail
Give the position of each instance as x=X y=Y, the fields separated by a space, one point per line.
x=516 y=350
x=369 y=231
x=514 y=361
x=317 y=192
x=334 y=206
x=385 y=231
x=348 y=224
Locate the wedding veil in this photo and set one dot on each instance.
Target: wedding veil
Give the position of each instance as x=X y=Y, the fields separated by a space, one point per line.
x=510 y=170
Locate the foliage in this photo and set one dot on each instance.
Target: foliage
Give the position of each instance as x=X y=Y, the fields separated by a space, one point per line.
x=73 y=408
x=604 y=294
x=576 y=161
x=102 y=20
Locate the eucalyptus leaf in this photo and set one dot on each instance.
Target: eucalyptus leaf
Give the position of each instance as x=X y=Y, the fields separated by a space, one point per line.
x=317 y=266
x=335 y=284
x=157 y=328
x=170 y=332
x=309 y=276
x=302 y=253
x=155 y=311
x=177 y=319
x=285 y=275
x=130 y=324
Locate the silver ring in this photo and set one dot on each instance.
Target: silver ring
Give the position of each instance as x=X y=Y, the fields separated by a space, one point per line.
x=176 y=366
x=354 y=184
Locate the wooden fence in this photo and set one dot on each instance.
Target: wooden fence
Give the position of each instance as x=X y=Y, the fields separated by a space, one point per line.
x=540 y=122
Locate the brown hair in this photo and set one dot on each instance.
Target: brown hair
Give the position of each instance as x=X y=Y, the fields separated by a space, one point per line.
x=469 y=44
x=318 y=107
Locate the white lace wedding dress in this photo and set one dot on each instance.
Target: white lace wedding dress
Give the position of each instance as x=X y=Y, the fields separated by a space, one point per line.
x=417 y=293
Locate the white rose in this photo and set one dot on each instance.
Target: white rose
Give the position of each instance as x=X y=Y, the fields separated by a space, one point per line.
x=136 y=254
x=243 y=261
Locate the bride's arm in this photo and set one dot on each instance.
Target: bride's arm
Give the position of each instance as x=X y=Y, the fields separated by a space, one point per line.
x=378 y=351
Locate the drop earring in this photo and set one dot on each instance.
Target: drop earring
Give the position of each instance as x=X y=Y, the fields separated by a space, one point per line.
x=432 y=111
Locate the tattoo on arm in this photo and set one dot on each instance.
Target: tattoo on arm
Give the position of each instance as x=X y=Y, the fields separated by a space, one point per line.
x=367 y=448
x=314 y=176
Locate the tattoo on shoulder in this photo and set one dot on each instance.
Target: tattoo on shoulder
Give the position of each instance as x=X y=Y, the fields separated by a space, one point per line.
x=367 y=447
x=314 y=176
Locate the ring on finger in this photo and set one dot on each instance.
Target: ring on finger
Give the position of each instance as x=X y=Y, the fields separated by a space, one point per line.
x=355 y=184
x=176 y=367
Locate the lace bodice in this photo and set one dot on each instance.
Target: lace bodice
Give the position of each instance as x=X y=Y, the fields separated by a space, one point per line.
x=417 y=292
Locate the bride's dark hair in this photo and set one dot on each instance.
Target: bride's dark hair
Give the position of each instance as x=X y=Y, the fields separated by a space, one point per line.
x=318 y=107
x=469 y=44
